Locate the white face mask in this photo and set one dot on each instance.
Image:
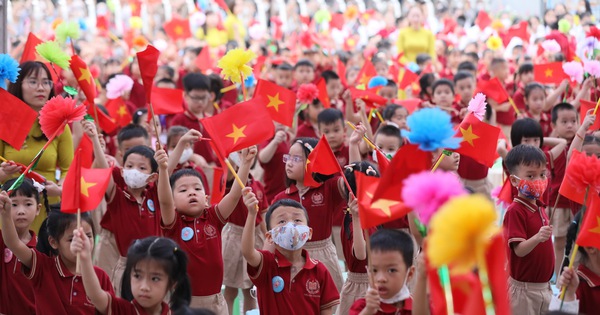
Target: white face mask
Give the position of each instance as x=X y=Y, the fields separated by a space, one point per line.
x=185 y=155
x=402 y=295
x=290 y=236
x=134 y=178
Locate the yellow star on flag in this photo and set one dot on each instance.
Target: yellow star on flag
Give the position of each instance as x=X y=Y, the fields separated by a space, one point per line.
x=122 y=111
x=468 y=135
x=178 y=30
x=85 y=186
x=384 y=205
x=237 y=133
x=597 y=228
x=85 y=75
x=548 y=73
x=364 y=79
x=274 y=101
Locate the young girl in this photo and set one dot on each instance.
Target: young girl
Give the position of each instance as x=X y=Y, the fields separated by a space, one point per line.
x=19 y=298
x=321 y=203
x=51 y=267
x=535 y=100
x=584 y=142
x=395 y=115
x=156 y=266
x=443 y=97
x=521 y=79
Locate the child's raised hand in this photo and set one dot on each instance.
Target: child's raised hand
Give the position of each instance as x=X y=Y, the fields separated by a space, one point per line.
x=358 y=134
x=353 y=207
x=250 y=200
x=569 y=279
x=190 y=136
x=162 y=159
x=589 y=120
x=280 y=136
x=372 y=300
x=5 y=204
x=249 y=153
x=81 y=244
x=89 y=129
x=544 y=234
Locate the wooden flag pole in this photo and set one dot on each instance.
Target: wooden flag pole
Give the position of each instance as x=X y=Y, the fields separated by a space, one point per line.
x=438 y=162
x=77 y=262
x=597 y=104
x=514 y=106
x=155 y=124
x=235 y=175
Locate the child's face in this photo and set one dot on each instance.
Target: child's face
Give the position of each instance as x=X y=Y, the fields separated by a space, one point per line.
x=284 y=215
x=399 y=118
x=591 y=149
x=389 y=145
x=334 y=133
x=533 y=141
x=189 y=196
x=530 y=172
x=304 y=74
x=149 y=283
x=197 y=101
x=527 y=78
x=465 y=88
x=566 y=124
x=536 y=101
x=443 y=96
x=284 y=78
x=500 y=71
x=63 y=244
x=24 y=211
x=334 y=88
x=125 y=145
x=389 y=93
x=139 y=162
x=449 y=163
x=382 y=69
x=313 y=111
x=294 y=167
x=389 y=271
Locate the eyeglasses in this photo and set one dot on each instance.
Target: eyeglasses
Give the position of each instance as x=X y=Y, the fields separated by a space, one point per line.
x=34 y=83
x=198 y=98
x=292 y=158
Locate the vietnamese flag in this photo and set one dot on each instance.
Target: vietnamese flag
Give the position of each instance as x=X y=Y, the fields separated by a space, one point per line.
x=410 y=104
x=84 y=188
x=589 y=232
x=365 y=74
x=341 y=70
x=29 y=53
x=321 y=160
x=495 y=258
x=493 y=89
x=204 y=62
x=240 y=126
x=118 y=111
x=371 y=99
x=16 y=120
x=323 y=96
x=105 y=122
x=84 y=78
x=382 y=161
x=223 y=5
x=408 y=78
x=148 y=63
x=466 y=293
x=166 y=101
x=479 y=140
x=567 y=188
x=483 y=20
x=583 y=109
x=281 y=101
x=178 y=29
x=549 y=73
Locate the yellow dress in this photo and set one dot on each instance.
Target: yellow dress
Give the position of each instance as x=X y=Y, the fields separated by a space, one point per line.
x=213 y=37
x=59 y=154
x=413 y=42
x=231 y=23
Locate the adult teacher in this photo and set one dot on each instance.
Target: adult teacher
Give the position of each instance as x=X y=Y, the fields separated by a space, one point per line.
x=34 y=87
x=415 y=39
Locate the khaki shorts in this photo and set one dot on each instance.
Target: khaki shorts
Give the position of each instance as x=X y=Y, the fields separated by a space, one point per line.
x=235 y=274
x=561 y=220
x=106 y=252
x=355 y=288
x=215 y=303
x=324 y=251
x=528 y=298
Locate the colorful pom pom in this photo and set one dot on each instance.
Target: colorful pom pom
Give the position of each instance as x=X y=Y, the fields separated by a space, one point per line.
x=307 y=93
x=377 y=81
x=592 y=67
x=118 y=85
x=57 y=113
x=9 y=70
x=574 y=70
x=136 y=22
x=67 y=30
x=52 y=53
x=235 y=66
x=583 y=171
x=477 y=106
x=551 y=46
x=431 y=129
x=494 y=43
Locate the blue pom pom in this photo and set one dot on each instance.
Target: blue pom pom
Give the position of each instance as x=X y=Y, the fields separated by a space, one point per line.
x=431 y=129
x=413 y=67
x=82 y=24
x=9 y=70
x=377 y=81
x=250 y=81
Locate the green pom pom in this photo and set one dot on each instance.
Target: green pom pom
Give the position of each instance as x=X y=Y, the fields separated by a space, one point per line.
x=52 y=53
x=564 y=26
x=70 y=90
x=322 y=16
x=66 y=30
x=88 y=117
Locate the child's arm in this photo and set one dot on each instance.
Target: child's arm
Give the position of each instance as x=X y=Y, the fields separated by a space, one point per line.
x=523 y=248
x=504 y=107
x=328 y=311
x=501 y=148
x=577 y=143
x=558 y=146
x=266 y=154
x=356 y=140
x=165 y=195
x=252 y=256
x=81 y=245
x=583 y=92
x=228 y=203
x=189 y=137
x=554 y=97
x=419 y=295
x=99 y=159
x=9 y=233
x=350 y=114
x=359 y=245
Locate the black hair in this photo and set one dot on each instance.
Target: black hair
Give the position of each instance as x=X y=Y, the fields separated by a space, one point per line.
x=561 y=106
x=389 y=130
x=497 y=61
x=196 y=81
x=330 y=116
x=283 y=203
x=216 y=84
x=56 y=225
x=175 y=131
x=26 y=189
x=590 y=139
x=392 y=83
x=308 y=144
x=523 y=69
x=304 y=63
x=166 y=81
x=389 y=111
x=442 y=82
x=132 y=131
x=425 y=81
x=422 y=58
x=170 y=71
x=194 y=50
x=474 y=56
x=144 y=151
x=524 y=154
x=530 y=87
x=285 y=67
x=526 y=128
x=461 y=75
x=385 y=240
x=171 y=257
x=329 y=75
x=137 y=115
x=364 y=167
x=186 y=310
x=184 y=172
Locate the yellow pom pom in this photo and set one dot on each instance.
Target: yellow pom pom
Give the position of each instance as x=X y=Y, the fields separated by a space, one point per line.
x=494 y=43
x=136 y=22
x=497 y=25
x=234 y=65
x=460 y=232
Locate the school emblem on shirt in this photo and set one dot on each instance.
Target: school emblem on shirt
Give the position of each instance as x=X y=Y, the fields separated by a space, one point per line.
x=187 y=233
x=278 y=284
x=210 y=231
x=8 y=255
x=150 y=205
x=317 y=199
x=312 y=287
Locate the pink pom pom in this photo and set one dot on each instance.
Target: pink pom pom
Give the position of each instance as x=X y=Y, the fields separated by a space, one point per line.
x=477 y=106
x=551 y=46
x=592 y=67
x=118 y=85
x=57 y=112
x=307 y=93
x=426 y=192
x=574 y=70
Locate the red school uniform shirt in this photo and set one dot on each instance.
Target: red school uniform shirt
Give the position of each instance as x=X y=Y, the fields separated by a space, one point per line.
x=187 y=119
x=306 y=130
x=386 y=309
x=57 y=290
x=469 y=169
x=119 y=306
x=240 y=213
x=588 y=291
x=274 y=178
x=557 y=168
x=522 y=221
x=519 y=99
x=321 y=204
x=129 y=220
x=311 y=290
x=354 y=264
x=19 y=299
x=200 y=238
x=343 y=155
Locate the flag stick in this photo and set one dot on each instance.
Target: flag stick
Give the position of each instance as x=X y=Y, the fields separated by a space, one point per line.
x=372 y=283
x=514 y=106
x=228 y=88
x=554 y=208
x=235 y=175
x=370 y=115
x=445 y=279
x=369 y=142
x=597 y=104
x=243 y=87
x=487 y=292
x=77 y=262
x=438 y=162
x=155 y=126
x=378 y=114
x=3 y=159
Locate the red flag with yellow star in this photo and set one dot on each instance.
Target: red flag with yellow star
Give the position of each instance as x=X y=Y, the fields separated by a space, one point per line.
x=366 y=73
x=370 y=97
x=16 y=119
x=493 y=89
x=408 y=78
x=178 y=29
x=84 y=78
x=548 y=73
x=118 y=111
x=479 y=140
x=321 y=160
x=240 y=126
x=104 y=121
x=583 y=109
x=83 y=188
x=323 y=96
x=281 y=102
x=589 y=233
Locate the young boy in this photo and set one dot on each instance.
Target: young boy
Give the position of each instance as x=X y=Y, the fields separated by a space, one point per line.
x=395 y=115
x=331 y=124
x=505 y=114
x=304 y=72
x=130 y=136
x=334 y=88
x=389 y=91
x=528 y=233
x=284 y=75
x=390 y=250
x=443 y=97
x=464 y=83
x=188 y=219
x=288 y=281
x=388 y=140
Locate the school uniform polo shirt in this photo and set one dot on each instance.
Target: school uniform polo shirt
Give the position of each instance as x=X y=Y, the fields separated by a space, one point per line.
x=522 y=221
x=386 y=309
x=311 y=290
x=129 y=220
x=274 y=177
x=470 y=169
x=200 y=238
x=306 y=130
x=16 y=296
x=343 y=155
x=189 y=120
x=321 y=203
x=119 y=306
x=57 y=290
x=239 y=214
x=588 y=291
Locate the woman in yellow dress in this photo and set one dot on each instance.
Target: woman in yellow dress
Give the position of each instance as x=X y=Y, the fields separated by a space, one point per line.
x=34 y=87
x=415 y=39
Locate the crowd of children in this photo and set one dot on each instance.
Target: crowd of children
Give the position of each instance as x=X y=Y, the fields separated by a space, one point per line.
x=173 y=236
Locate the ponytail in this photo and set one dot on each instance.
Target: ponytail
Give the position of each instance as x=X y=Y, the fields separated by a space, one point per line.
x=181 y=296
x=571 y=236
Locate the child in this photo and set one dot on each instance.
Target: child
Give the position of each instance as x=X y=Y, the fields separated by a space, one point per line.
x=530 y=252
x=465 y=88
x=331 y=124
x=389 y=91
x=392 y=253
x=381 y=66
x=505 y=113
x=270 y=155
x=425 y=83
x=309 y=128
x=334 y=88
x=51 y=267
x=443 y=97
x=196 y=226
x=17 y=294
x=388 y=140
x=522 y=78
x=179 y=143
x=304 y=72
x=284 y=76
x=449 y=163
x=156 y=268
x=140 y=118
x=583 y=142
x=535 y=100
x=130 y=136
x=395 y=115
x=322 y=203
x=216 y=96
x=288 y=281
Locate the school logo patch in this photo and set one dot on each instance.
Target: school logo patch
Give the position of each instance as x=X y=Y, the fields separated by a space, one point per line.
x=313 y=287
x=210 y=231
x=187 y=233
x=150 y=205
x=317 y=199
x=8 y=255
